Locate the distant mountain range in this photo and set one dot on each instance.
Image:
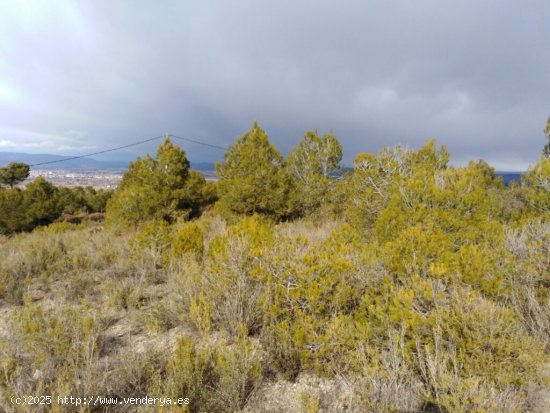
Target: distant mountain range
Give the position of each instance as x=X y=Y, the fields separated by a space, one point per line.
x=80 y=163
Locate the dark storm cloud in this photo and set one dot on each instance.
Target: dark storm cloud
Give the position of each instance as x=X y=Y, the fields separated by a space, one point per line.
x=88 y=75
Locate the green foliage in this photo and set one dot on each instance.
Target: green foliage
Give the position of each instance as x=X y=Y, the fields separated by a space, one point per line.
x=133 y=204
x=252 y=177
x=477 y=357
x=153 y=236
x=153 y=239
x=41 y=203
x=81 y=200
x=312 y=167
x=14 y=173
x=158 y=188
x=12 y=218
x=490 y=341
x=58 y=228
x=189 y=239
x=197 y=194
x=537 y=180
x=168 y=170
x=394 y=178
x=230 y=272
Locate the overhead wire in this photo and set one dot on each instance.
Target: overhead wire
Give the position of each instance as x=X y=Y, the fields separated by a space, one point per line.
x=70 y=158
x=223 y=148
x=97 y=153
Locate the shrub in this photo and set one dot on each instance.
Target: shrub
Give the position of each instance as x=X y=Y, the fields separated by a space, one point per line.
x=56 y=352
x=188 y=239
x=215 y=377
x=153 y=239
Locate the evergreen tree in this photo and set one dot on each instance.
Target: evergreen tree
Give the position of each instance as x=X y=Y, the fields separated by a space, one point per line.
x=311 y=166
x=14 y=173
x=156 y=188
x=12 y=213
x=197 y=193
x=41 y=203
x=252 y=177
x=96 y=200
x=394 y=176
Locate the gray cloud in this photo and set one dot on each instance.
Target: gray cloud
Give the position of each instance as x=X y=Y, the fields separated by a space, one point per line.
x=474 y=75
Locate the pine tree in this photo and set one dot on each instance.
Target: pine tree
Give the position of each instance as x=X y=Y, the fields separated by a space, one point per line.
x=311 y=166
x=12 y=216
x=41 y=203
x=252 y=178
x=14 y=173
x=156 y=188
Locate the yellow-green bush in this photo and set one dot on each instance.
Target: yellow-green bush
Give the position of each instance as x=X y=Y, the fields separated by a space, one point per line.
x=58 y=227
x=55 y=353
x=188 y=239
x=538 y=186
x=216 y=377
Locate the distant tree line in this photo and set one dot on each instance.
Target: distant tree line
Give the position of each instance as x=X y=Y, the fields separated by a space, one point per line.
x=254 y=178
x=41 y=203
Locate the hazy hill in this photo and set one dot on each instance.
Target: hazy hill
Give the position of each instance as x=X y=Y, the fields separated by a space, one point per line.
x=81 y=163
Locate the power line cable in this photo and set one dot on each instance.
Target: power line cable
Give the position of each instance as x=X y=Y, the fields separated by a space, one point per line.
x=223 y=148
x=98 y=153
x=70 y=158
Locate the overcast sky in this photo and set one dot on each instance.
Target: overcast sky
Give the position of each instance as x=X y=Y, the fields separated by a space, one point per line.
x=80 y=76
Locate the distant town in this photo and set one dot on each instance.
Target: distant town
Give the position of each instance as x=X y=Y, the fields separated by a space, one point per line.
x=99 y=179
x=71 y=178
x=65 y=171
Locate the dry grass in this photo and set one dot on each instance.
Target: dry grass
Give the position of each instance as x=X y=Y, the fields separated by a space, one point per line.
x=83 y=310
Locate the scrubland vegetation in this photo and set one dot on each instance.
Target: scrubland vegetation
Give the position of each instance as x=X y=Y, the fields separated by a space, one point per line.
x=403 y=285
